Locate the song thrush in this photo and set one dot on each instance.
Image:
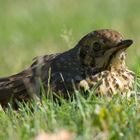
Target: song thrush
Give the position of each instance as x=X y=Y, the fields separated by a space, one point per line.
x=98 y=60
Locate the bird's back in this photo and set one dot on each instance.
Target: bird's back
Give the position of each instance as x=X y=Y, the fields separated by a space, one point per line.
x=58 y=71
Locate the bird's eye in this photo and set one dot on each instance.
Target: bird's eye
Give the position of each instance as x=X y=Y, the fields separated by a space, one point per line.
x=96 y=46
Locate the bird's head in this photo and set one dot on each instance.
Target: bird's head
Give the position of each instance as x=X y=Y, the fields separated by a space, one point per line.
x=103 y=49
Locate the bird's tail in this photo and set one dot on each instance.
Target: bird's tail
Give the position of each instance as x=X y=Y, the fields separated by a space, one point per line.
x=18 y=87
x=12 y=88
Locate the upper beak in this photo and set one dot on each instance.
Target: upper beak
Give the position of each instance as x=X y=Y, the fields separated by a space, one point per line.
x=125 y=43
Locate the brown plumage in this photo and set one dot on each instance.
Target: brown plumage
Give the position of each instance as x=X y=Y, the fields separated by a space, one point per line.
x=99 y=57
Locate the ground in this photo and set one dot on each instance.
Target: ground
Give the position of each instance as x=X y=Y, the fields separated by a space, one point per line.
x=31 y=28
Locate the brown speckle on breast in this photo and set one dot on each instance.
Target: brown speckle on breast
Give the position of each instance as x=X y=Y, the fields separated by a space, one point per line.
x=125 y=77
x=106 y=82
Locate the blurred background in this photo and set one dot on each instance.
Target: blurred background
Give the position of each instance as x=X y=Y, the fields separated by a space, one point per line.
x=29 y=28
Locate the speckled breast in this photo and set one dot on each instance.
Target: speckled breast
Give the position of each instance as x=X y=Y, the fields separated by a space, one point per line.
x=108 y=83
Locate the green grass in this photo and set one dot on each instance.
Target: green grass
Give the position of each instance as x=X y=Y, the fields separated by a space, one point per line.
x=116 y=118
x=36 y=27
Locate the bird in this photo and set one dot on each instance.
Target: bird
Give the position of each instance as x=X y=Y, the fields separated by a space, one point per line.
x=97 y=60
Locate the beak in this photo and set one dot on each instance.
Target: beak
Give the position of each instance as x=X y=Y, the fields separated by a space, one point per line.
x=124 y=44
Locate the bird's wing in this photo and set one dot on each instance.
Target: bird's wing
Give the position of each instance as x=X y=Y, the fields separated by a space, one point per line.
x=45 y=59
